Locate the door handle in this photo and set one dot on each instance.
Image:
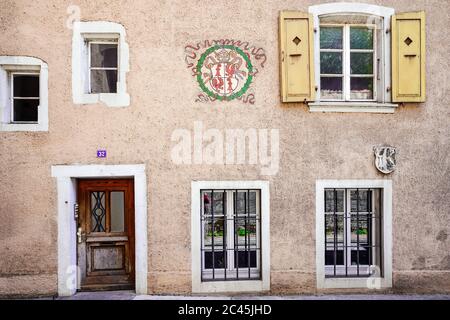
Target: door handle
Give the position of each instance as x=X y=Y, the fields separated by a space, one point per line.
x=80 y=235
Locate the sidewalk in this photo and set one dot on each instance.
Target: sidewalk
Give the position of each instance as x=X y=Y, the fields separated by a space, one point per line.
x=129 y=295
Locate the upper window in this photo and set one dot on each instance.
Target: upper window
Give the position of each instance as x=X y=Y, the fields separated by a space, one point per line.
x=230 y=236
x=99 y=63
x=23 y=94
x=103 y=66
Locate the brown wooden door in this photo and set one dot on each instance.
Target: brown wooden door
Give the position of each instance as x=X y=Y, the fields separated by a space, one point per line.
x=105 y=234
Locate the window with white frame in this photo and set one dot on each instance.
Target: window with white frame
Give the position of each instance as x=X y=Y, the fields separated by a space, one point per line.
x=23 y=94
x=231 y=231
x=352 y=54
x=354 y=233
x=230 y=236
x=100 y=63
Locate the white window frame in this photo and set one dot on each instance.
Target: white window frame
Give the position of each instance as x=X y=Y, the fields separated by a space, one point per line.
x=382 y=101
x=90 y=68
x=373 y=282
x=10 y=66
x=98 y=31
x=230 y=270
x=199 y=286
x=346 y=65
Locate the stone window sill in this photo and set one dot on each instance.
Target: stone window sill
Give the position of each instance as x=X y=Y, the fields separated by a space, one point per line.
x=363 y=107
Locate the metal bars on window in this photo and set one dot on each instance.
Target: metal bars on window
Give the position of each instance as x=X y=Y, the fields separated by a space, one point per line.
x=230 y=232
x=353 y=232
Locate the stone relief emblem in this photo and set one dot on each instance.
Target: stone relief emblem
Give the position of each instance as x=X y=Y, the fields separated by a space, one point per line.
x=385 y=158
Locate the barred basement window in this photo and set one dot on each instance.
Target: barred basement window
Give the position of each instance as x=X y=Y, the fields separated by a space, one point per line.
x=231 y=235
x=353 y=232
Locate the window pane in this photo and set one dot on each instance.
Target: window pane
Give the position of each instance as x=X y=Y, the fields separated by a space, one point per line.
x=329 y=257
x=361 y=88
x=245 y=232
x=363 y=256
x=361 y=38
x=361 y=63
x=244 y=206
x=330 y=200
x=98 y=212
x=363 y=202
x=359 y=229
x=331 y=63
x=103 y=81
x=242 y=258
x=332 y=230
x=331 y=88
x=26 y=110
x=330 y=38
x=26 y=86
x=219 y=259
x=219 y=197
x=214 y=231
x=104 y=55
x=117 y=211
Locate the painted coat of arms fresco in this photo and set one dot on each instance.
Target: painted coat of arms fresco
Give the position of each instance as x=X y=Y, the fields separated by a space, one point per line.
x=224 y=70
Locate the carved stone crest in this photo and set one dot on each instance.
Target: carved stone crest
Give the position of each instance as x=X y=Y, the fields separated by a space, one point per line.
x=385 y=158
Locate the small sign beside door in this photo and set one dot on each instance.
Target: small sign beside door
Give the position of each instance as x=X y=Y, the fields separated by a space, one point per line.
x=101 y=153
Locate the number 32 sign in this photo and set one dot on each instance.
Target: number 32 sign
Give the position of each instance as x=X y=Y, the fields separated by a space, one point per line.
x=101 y=153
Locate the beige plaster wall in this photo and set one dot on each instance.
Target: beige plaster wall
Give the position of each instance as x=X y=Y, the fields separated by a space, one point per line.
x=163 y=93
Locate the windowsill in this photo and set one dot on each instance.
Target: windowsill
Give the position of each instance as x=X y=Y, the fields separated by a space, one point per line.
x=230 y=286
x=369 y=107
x=29 y=126
x=110 y=99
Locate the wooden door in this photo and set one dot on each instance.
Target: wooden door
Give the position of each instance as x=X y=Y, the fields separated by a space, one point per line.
x=105 y=234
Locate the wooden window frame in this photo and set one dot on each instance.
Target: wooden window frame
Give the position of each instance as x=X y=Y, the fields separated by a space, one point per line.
x=27 y=73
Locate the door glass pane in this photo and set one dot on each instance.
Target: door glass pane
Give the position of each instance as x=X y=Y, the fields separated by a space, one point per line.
x=331 y=62
x=26 y=86
x=361 y=88
x=117 y=211
x=330 y=38
x=104 y=55
x=103 y=81
x=26 y=110
x=98 y=211
x=361 y=63
x=361 y=38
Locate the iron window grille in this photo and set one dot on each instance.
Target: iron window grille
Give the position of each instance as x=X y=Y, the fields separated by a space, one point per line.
x=353 y=232
x=230 y=235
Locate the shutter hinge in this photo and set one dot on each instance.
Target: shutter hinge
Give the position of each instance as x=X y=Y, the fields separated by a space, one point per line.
x=388 y=31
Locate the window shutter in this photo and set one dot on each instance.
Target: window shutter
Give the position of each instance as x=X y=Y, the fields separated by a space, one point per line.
x=408 y=57
x=297 y=56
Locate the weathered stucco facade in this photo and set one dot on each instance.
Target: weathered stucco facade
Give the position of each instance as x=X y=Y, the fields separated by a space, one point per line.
x=163 y=96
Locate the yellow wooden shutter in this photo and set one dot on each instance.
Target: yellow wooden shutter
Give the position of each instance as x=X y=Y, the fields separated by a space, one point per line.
x=297 y=56
x=408 y=57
